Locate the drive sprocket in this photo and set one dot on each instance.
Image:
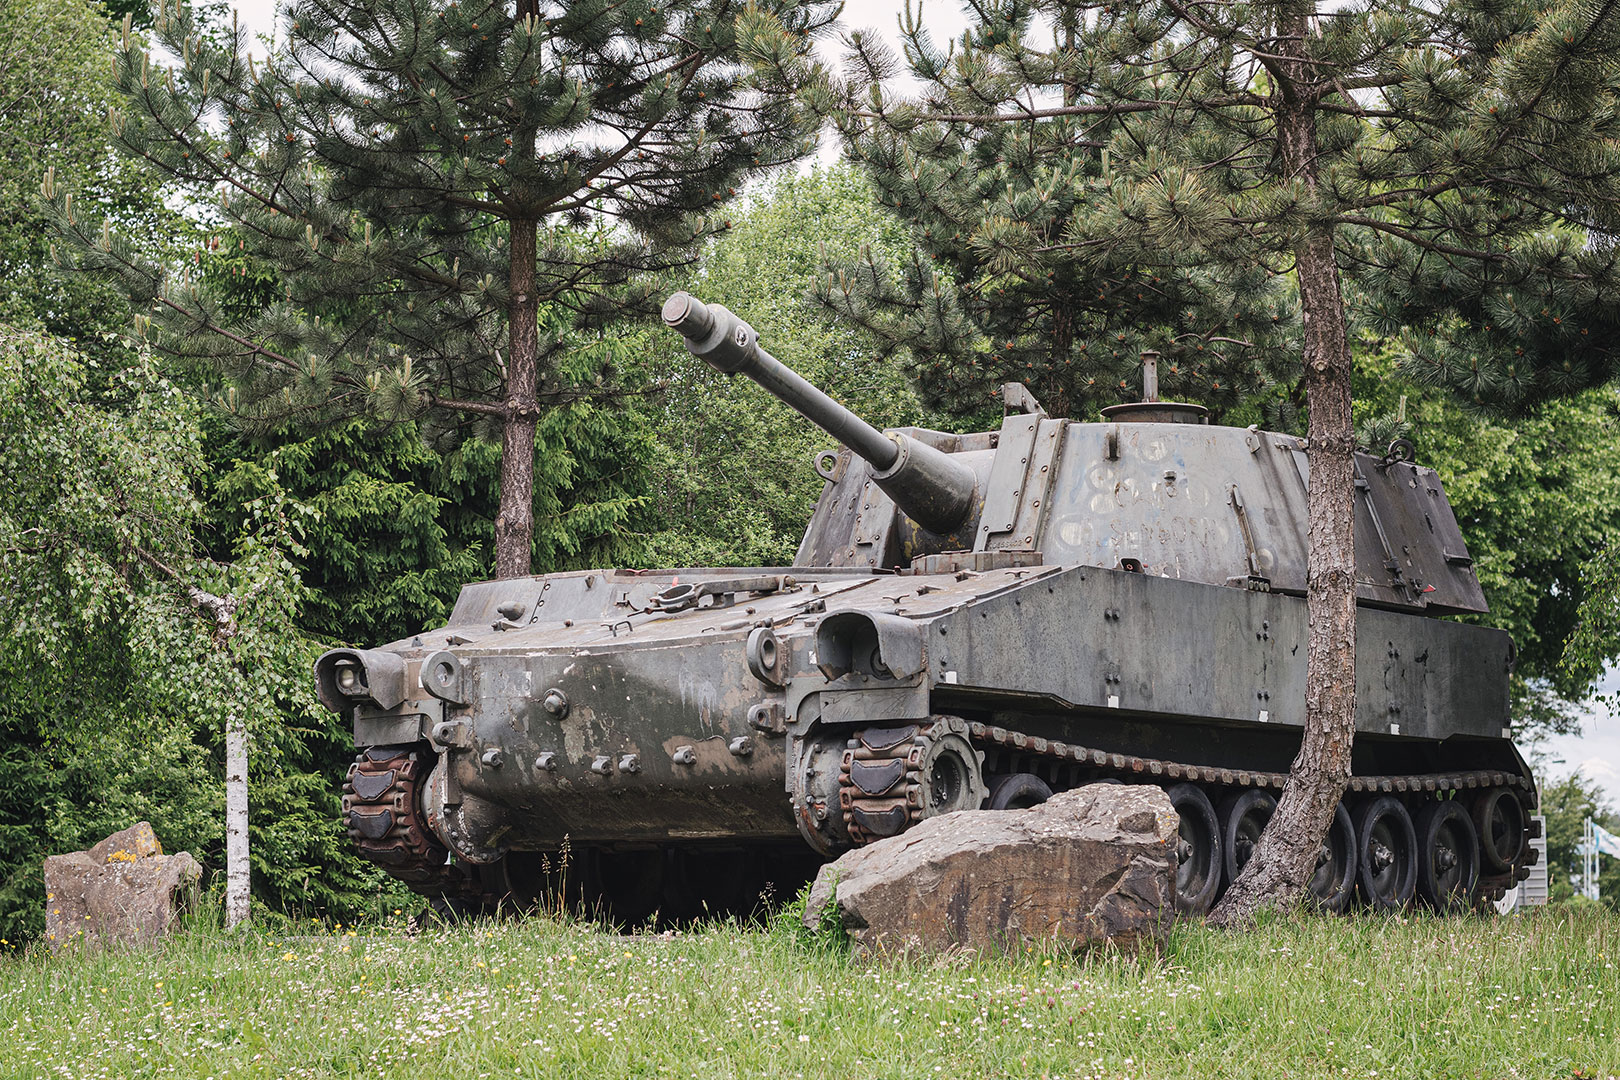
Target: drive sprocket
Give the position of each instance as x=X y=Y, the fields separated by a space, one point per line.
x=382 y=808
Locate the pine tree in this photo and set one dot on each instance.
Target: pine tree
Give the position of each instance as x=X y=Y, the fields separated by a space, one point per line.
x=996 y=288
x=456 y=197
x=1456 y=162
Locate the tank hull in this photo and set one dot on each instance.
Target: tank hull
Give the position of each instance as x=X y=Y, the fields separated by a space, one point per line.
x=670 y=736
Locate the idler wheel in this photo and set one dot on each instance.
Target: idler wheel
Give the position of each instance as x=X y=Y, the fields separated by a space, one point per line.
x=1198 y=849
x=1019 y=791
x=1386 y=853
x=1448 y=856
x=1243 y=819
x=1499 y=821
x=951 y=776
x=1333 y=885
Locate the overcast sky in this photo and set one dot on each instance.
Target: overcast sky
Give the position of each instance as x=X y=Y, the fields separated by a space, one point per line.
x=1596 y=751
x=943 y=18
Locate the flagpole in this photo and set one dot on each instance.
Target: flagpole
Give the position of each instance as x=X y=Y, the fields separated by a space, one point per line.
x=1586 y=857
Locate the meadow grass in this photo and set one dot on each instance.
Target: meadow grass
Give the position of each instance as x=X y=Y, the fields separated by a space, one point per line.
x=1528 y=996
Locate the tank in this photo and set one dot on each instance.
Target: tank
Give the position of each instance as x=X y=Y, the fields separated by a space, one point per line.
x=971 y=621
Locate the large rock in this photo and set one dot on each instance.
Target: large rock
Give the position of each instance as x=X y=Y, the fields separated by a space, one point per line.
x=1094 y=864
x=122 y=890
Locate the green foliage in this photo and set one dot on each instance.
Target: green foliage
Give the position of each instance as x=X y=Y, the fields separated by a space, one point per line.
x=394 y=529
x=593 y=478
x=453 y=215
x=1596 y=639
x=1567 y=804
x=1537 y=498
x=732 y=483
x=54 y=97
x=824 y=933
x=121 y=714
x=397 y=526
x=383 y=200
x=53 y=100
x=1034 y=257
x=1147 y=172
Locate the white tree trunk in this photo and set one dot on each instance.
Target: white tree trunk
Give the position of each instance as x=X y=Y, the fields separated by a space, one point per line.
x=236 y=822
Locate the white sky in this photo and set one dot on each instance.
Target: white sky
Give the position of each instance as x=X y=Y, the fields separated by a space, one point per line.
x=943 y=18
x=1596 y=751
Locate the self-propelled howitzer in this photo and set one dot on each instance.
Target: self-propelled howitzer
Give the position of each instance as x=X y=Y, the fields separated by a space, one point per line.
x=972 y=621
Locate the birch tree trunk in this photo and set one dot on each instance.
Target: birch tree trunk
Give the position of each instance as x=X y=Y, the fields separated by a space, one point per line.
x=236 y=822
x=220 y=614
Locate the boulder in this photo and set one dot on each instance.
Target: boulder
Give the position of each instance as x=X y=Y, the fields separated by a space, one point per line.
x=1094 y=864
x=123 y=890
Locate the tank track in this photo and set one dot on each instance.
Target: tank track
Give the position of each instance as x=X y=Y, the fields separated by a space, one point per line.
x=871 y=808
x=1000 y=738
x=880 y=781
x=382 y=808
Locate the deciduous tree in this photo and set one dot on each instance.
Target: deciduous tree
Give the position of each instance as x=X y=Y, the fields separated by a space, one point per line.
x=54 y=96
x=139 y=651
x=734 y=486
x=1567 y=804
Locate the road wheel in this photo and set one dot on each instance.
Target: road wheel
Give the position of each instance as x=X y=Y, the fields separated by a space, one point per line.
x=1198 y=850
x=1333 y=885
x=1386 y=853
x=1243 y=819
x=1499 y=821
x=1019 y=791
x=1448 y=856
x=951 y=776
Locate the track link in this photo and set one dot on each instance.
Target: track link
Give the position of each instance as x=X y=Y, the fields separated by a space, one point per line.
x=880 y=787
x=988 y=736
x=382 y=808
x=880 y=782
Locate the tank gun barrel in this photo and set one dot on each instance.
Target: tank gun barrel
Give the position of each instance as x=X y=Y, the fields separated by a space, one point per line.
x=929 y=486
x=730 y=344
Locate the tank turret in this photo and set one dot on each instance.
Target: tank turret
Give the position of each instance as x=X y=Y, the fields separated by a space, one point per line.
x=927 y=485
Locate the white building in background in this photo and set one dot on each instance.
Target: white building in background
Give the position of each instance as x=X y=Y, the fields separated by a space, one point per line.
x=1532 y=891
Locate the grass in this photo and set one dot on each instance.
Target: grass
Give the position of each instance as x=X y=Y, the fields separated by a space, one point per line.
x=1530 y=996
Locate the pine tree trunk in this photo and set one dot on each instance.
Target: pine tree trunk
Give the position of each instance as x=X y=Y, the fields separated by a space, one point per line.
x=1285 y=858
x=514 y=521
x=237 y=874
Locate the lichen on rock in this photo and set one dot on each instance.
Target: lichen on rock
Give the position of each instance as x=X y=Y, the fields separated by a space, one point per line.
x=123 y=890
